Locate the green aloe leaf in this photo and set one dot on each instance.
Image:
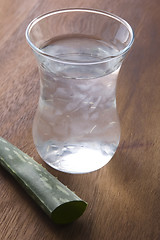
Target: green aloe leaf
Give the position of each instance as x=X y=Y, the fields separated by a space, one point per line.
x=58 y=202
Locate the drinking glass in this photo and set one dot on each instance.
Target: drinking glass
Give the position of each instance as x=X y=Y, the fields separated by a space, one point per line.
x=79 y=54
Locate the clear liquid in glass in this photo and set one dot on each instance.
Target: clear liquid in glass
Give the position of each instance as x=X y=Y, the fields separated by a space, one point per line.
x=76 y=127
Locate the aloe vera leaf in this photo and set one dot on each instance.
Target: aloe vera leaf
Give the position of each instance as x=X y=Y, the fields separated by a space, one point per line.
x=57 y=201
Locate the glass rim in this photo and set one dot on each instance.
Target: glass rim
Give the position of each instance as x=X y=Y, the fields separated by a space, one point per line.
x=105 y=13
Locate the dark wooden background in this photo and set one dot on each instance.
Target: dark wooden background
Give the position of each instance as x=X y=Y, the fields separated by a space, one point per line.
x=124 y=196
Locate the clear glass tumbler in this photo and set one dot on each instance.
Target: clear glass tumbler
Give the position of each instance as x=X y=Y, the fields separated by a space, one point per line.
x=79 y=53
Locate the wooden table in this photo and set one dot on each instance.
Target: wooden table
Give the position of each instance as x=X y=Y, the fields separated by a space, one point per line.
x=124 y=196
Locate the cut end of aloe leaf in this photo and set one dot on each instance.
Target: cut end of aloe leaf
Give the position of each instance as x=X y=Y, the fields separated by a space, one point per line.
x=68 y=212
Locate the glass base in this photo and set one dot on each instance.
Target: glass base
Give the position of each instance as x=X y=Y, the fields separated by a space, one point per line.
x=76 y=158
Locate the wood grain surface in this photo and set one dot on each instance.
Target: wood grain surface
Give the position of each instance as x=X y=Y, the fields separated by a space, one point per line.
x=123 y=196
